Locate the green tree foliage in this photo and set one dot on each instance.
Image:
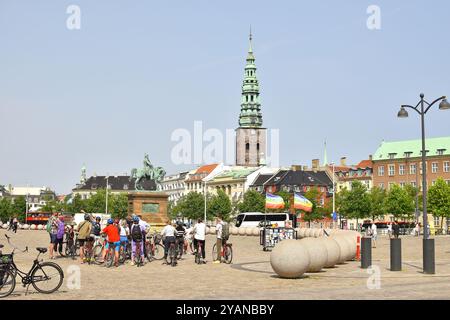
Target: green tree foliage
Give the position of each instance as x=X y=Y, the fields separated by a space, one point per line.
x=191 y=206
x=377 y=197
x=18 y=208
x=399 y=202
x=118 y=205
x=219 y=205
x=317 y=212
x=355 y=203
x=439 y=199
x=253 y=202
x=5 y=209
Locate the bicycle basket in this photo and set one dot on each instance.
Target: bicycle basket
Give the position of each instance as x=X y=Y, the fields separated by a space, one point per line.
x=5 y=259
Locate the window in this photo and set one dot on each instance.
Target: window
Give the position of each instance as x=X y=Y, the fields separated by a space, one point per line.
x=392 y=155
x=412 y=168
x=434 y=167
x=447 y=166
x=402 y=184
x=381 y=185
x=391 y=184
x=125 y=187
x=401 y=169
x=408 y=154
x=381 y=171
x=448 y=182
x=391 y=170
x=440 y=152
x=413 y=183
x=433 y=182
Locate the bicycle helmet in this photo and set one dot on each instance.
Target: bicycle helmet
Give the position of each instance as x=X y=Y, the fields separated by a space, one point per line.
x=110 y=221
x=87 y=216
x=135 y=219
x=179 y=223
x=98 y=218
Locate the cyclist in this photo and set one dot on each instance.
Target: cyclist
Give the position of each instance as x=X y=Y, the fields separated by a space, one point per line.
x=84 y=231
x=112 y=232
x=180 y=233
x=168 y=234
x=199 y=232
x=137 y=233
x=97 y=227
x=219 y=240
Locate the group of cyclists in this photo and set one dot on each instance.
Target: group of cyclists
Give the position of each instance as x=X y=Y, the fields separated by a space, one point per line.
x=128 y=238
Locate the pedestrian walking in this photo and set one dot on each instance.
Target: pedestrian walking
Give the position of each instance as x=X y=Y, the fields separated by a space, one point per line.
x=219 y=241
x=58 y=246
x=52 y=229
x=390 y=230
x=396 y=229
x=374 y=234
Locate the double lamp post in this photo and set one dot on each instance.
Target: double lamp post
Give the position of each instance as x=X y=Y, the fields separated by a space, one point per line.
x=422 y=108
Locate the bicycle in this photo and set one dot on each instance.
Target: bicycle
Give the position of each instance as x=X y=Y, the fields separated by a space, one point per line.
x=172 y=254
x=198 y=253
x=89 y=250
x=137 y=255
x=155 y=250
x=40 y=273
x=180 y=247
x=226 y=252
x=110 y=254
x=71 y=246
x=99 y=246
x=125 y=251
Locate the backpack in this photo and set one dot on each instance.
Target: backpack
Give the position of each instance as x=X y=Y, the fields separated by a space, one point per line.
x=136 y=232
x=225 y=231
x=48 y=227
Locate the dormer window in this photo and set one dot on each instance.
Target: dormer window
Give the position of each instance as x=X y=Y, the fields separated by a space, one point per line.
x=440 y=152
x=408 y=154
x=94 y=186
x=392 y=155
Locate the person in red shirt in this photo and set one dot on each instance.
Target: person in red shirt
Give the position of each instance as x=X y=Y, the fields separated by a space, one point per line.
x=113 y=238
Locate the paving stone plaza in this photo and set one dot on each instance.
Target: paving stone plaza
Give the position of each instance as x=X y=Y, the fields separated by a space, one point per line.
x=250 y=276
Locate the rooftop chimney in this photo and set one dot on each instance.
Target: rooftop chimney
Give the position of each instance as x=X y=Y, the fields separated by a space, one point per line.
x=305 y=168
x=296 y=167
x=344 y=161
x=315 y=164
x=370 y=157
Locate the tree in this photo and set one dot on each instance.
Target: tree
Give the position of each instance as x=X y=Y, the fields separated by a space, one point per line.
x=5 y=209
x=96 y=203
x=118 y=205
x=439 y=199
x=219 y=205
x=253 y=202
x=377 y=197
x=355 y=203
x=191 y=206
x=317 y=212
x=399 y=202
x=18 y=208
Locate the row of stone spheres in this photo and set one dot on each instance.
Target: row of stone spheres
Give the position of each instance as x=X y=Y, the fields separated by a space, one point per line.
x=293 y=258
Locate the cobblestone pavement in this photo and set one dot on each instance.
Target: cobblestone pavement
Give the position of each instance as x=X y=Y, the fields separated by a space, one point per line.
x=249 y=277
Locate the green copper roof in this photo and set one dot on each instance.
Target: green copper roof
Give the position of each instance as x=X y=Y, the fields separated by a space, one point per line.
x=250 y=116
x=397 y=149
x=236 y=173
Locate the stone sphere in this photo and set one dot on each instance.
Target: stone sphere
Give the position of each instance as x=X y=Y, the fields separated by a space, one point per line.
x=248 y=231
x=242 y=231
x=318 y=254
x=26 y=226
x=344 y=246
x=256 y=231
x=33 y=227
x=5 y=226
x=234 y=231
x=333 y=251
x=40 y=227
x=317 y=233
x=289 y=259
x=351 y=241
x=21 y=226
x=302 y=233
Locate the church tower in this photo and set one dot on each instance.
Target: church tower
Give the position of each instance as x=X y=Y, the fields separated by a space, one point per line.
x=250 y=136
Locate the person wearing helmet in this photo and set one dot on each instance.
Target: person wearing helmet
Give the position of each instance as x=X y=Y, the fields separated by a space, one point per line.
x=84 y=231
x=179 y=235
x=97 y=227
x=113 y=239
x=146 y=227
x=137 y=233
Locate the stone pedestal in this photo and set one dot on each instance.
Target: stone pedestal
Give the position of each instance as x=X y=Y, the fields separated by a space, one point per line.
x=151 y=206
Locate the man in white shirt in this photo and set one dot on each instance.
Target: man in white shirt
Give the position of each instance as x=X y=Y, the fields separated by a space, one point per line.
x=374 y=234
x=200 y=236
x=168 y=234
x=219 y=228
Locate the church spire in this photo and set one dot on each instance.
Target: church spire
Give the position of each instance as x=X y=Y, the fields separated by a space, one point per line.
x=325 y=157
x=250 y=116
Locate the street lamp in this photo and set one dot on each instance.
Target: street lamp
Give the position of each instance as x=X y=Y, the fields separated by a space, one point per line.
x=106 y=206
x=422 y=108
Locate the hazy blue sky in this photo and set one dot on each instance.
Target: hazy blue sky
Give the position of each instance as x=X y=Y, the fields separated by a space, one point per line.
x=137 y=70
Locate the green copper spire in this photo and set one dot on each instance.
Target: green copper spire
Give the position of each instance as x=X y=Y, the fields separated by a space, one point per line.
x=250 y=116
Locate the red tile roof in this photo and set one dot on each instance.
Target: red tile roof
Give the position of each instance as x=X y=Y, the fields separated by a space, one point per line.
x=364 y=164
x=208 y=168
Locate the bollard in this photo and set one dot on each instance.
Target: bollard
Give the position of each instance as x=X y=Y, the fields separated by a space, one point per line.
x=428 y=256
x=396 y=254
x=358 y=248
x=366 y=252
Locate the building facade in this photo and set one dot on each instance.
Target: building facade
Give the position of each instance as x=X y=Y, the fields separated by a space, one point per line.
x=174 y=185
x=250 y=136
x=400 y=162
x=35 y=197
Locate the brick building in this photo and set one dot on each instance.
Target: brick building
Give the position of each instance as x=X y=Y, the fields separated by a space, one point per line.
x=400 y=162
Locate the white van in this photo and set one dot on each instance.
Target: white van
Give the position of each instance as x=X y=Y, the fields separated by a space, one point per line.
x=253 y=219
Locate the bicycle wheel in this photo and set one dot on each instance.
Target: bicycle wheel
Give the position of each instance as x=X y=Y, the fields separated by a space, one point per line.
x=198 y=255
x=180 y=250
x=172 y=256
x=110 y=257
x=214 y=252
x=7 y=283
x=47 y=277
x=158 y=253
x=228 y=254
x=97 y=252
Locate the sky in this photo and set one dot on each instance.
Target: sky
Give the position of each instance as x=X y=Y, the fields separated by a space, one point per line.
x=136 y=71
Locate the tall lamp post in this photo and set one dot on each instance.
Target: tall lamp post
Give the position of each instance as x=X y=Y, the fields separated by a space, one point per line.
x=106 y=205
x=422 y=108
